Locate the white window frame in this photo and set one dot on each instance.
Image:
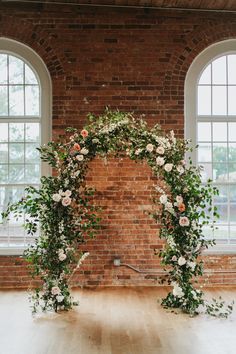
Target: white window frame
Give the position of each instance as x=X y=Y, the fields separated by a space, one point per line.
x=30 y=57
x=190 y=108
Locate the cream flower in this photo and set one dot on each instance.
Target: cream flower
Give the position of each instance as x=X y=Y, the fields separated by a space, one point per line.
x=177 y=290
x=181 y=261
x=66 y=201
x=184 y=221
x=55 y=290
x=67 y=193
x=56 y=197
x=179 y=199
x=163 y=199
x=59 y=298
x=149 y=147
x=191 y=265
x=160 y=161
x=79 y=157
x=84 y=151
x=160 y=150
x=138 y=151
x=174 y=258
x=62 y=256
x=168 y=167
x=180 y=169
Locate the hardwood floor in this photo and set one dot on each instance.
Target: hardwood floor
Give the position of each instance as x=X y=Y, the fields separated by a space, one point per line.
x=114 y=321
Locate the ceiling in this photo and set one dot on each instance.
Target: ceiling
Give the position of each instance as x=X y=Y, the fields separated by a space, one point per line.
x=205 y=5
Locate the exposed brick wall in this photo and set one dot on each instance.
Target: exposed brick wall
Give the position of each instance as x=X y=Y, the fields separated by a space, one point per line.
x=134 y=60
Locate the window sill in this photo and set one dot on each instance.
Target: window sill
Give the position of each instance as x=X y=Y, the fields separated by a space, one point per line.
x=12 y=251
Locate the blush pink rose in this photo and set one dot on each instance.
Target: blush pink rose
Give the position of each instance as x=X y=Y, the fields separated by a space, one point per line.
x=84 y=133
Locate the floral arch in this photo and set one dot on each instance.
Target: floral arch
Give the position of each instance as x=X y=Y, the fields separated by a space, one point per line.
x=64 y=210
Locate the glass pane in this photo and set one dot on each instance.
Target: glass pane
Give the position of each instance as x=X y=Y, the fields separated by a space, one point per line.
x=3 y=153
x=32 y=132
x=16 y=70
x=3 y=69
x=232 y=69
x=32 y=173
x=16 y=152
x=206 y=76
x=3 y=101
x=232 y=193
x=204 y=100
x=232 y=172
x=232 y=231
x=3 y=132
x=219 y=71
x=222 y=210
x=207 y=232
x=16 y=100
x=219 y=132
x=204 y=152
x=3 y=173
x=232 y=131
x=32 y=155
x=16 y=173
x=11 y=195
x=30 y=77
x=223 y=195
x=222 y=232
x=206 y=171
x=16 y=131
x=232 y=152
x=220 y=152
x=32 y=100
x=204 y=131
x=233 y=213
x=219 y=102
x=220 y=173
x=231 y=100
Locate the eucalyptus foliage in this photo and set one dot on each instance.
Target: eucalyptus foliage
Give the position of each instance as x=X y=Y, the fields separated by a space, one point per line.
x=64 y=211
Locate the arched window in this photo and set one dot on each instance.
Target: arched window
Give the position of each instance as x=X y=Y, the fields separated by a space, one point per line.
x=25 y=92
x=210 y=122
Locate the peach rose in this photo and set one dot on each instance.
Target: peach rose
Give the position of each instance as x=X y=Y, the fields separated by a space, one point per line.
x=84 y=133
x=181 y=207
x=76 y=147
x=184 y=221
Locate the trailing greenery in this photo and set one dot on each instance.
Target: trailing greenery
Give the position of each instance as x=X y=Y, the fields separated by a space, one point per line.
x=64 y=210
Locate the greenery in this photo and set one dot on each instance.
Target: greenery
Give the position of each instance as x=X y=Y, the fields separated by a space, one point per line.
x=64 y=210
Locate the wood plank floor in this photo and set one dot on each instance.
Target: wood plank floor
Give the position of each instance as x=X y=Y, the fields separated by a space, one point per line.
x=114 y=321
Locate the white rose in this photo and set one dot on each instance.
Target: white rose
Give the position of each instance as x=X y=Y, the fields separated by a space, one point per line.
x=66 y=201
x=84 y=151
x=191 y=265
x=56 y=197
x=184 y=221
x=55 y=290
x=138 y=151
x=67 y=193
x=160 y=150
x=181 y=261
x=177 y=290
x=174 y=258
x=179 y=199
x=62 y=256
x=60 y=298
x=180 y=169
x=163 y=199
x=168 y=167
x=149 y=147
x=160 y=161
x=79 y=157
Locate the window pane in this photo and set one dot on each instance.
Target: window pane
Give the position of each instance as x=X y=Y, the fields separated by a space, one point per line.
x=219 y=71
x=3 y=132
x=233 y=213
x=30 y=77
x=232 y=69
x=219 y=103
x=232 y=131
x=16 y=174
x=3 y=173
x=206 y=171
x=32 y=174
x=16 y=131
x=219 y=132
x=207 y=232
x=232 y=152
x=232 y=194
x=204 y=152
x=204 y=100
x=232 y=231
x=3 y=69
x=232 y=172
x=32 y=100
x=32 y=155
x=222 y=210
x=32 y=132
x=220 y=172
x=232 y=100
x=16 y=100
x=16 y=153
x=204 y=131
x=16 y=70
x=220 y=152
x=3 y=153
x=223 y=195
x=222 y=232
x=206 y=76
x=3 y=101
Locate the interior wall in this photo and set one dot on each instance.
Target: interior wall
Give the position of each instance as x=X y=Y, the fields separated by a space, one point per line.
x=134 y=60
